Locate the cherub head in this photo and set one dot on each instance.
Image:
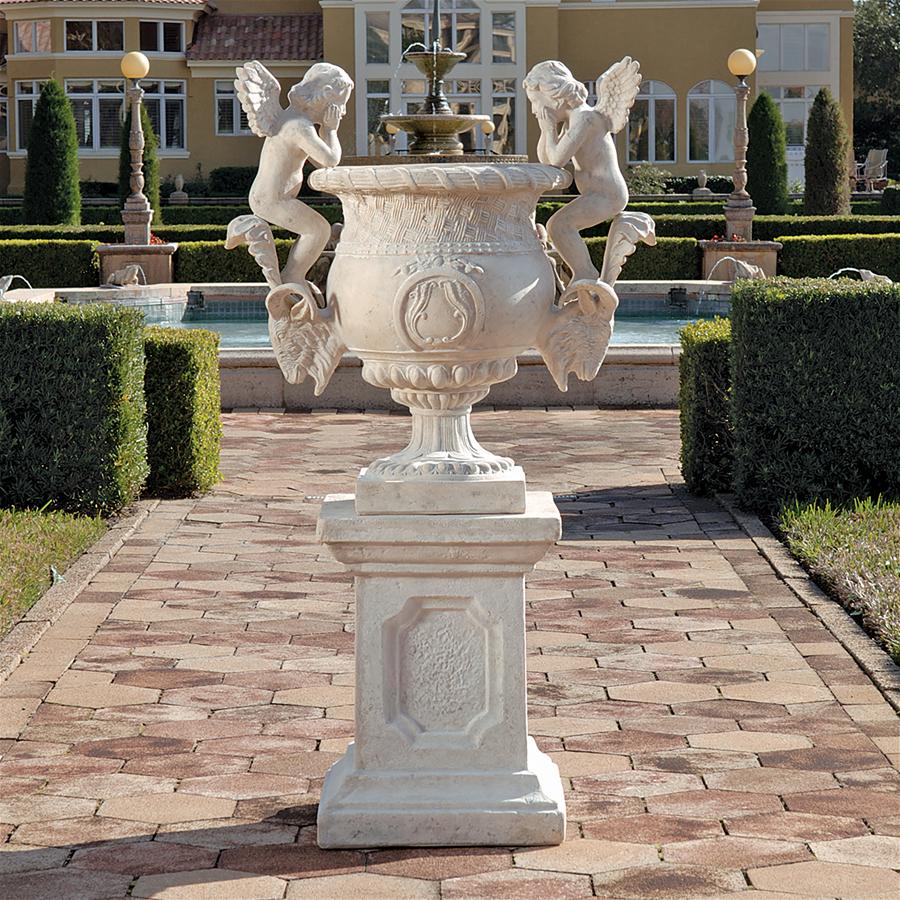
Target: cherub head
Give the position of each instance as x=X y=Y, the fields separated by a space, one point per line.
x=551 y=86
x=324 y=85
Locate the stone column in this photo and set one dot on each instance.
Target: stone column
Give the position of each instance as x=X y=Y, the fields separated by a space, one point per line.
x=137 y=214
x=739 y=209
x=442 y=754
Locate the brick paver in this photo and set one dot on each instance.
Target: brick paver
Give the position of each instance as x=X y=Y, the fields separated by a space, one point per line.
x=169 y=735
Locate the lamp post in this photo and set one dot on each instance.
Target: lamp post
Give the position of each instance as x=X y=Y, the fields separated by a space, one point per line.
x=739 y=207
x=137 y=213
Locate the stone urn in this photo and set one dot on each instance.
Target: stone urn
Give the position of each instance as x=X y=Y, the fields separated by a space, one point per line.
x=439 y=281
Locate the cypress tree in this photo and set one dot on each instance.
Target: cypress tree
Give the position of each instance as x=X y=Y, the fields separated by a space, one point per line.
x=827 y=190
x=151 y=164
x=52 y=193
x=767 y=180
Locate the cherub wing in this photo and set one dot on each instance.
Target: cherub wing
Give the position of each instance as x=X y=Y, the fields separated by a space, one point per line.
x=259 y=92
x=304 y=337
x=616 y=89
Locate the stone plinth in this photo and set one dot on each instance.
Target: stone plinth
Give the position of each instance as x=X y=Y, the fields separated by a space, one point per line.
x=156 y=260
x=757 y=253
x=442 y=755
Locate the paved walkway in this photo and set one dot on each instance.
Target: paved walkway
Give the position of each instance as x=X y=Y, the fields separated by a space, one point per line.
x=168 y=736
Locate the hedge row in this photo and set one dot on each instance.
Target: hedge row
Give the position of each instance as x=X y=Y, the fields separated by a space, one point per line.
x=183 y=401
x=701 y=227
x=815 y=385
x=48 y=263
x=707 y=438
x=74 y=427
x=821 y=255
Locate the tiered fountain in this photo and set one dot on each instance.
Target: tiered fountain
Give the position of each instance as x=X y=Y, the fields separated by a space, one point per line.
x=439 y=281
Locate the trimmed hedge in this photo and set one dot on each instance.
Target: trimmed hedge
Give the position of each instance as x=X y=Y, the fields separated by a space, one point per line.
x=890 y=200
x=821 y=255
x=49 y=264
x=183 y=424
x=72 y=412
x=677 y=258
x=203 y=261
x=704 y=398
x=816 y=391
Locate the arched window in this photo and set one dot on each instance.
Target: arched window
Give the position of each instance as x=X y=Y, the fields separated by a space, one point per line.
x=651 y=124
x=711 y=115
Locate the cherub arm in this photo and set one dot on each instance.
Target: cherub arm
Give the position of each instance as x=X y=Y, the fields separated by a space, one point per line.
x=559 y=149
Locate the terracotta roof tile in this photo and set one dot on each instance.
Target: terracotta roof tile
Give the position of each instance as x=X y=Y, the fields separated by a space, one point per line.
x=157 y=2
x=295 y=37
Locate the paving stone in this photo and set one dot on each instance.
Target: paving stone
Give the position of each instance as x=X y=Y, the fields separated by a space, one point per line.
x=437 y=863
x=694 y=760
x=562 y=726
x=586 y=856
x=166 y=808
x=771 y=780
x=750 y=741
x=187 y=765
x=292 y=860
x=801 y=826
x=713 y=804
x=73 y=884
x=103 y=786
x=651 y=829
x=730 y=852
x=850 y=802
x=321 y=696
x=244 y=786
x=868 y=850
x=30 y=858
x=624 y=742
x=637 y=784
x=99 y=696
x=144 y=858
x=830 y=879
x=663 y=692
x=773 y=692
x=577 y=763
x=222 y=834
x=209 y=884
x=32 y=808
x=513 y=884
x=668 y=881
x=363 y=885
x=80 y=831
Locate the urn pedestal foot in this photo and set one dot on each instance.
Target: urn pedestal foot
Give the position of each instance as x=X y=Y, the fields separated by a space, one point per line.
x=442 y=755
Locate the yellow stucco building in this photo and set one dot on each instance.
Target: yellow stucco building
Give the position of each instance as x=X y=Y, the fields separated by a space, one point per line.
x=682 y=120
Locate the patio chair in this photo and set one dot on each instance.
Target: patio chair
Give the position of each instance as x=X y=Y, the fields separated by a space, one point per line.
x=872 y=170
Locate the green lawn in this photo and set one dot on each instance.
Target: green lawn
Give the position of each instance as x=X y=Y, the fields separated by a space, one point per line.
x=30 y=543
x=855 y=555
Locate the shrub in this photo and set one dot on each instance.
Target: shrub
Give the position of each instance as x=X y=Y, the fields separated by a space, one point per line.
x=183 y=424
x=816 y=391
x=203 y=261
x=822 y=255
x=72 y=429
x=49 y=263
x=684 y=184
x=231 y=181
x=101 y=215
x=890 y=200
x=671 y=258
x=91 y=188
x=151 y=164
x=767 y=157
x=52 y=195
x=704 y=398
x=827 y=191
x=646 y=179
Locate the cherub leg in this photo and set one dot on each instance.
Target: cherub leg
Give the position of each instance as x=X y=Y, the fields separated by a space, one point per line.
x=313 y=230
x=564 y=227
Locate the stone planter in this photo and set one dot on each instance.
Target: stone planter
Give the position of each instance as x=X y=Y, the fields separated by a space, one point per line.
x=757 y=253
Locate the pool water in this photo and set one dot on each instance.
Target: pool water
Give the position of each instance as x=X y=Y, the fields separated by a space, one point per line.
x=642 y=329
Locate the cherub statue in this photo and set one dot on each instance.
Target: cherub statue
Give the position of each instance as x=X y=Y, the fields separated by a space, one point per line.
x=573 y=131
x=300 y=326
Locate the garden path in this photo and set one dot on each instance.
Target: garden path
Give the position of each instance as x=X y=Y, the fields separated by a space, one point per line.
x=168 y=735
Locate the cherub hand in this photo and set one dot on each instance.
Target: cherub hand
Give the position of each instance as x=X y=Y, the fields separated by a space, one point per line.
x=547 y=120
x=332 y=116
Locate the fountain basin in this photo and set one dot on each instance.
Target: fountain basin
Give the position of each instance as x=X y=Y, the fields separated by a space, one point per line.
x=437 y=134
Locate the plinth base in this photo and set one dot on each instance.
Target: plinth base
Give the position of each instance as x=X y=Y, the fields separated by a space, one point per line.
x=442 y=754
x=499 y=494
x=362 y=808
